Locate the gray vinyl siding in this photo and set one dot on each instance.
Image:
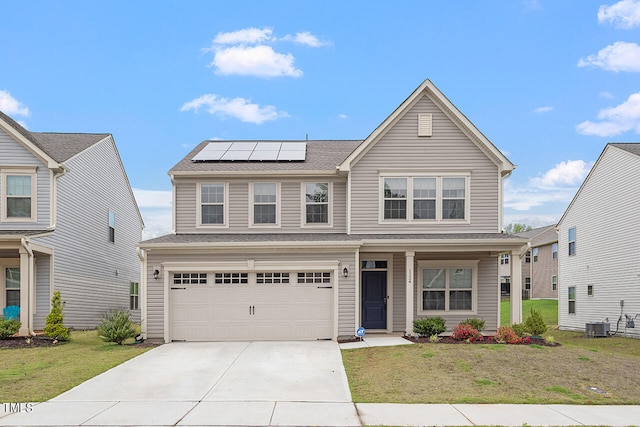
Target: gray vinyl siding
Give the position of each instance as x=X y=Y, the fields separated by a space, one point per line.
x=448 y=150
x=155 y=288
x=605 y=214
x=43 y=291
x=291 y=207
x=93 y=274
x=399 y=293
x=13 y=153
x=488 y=290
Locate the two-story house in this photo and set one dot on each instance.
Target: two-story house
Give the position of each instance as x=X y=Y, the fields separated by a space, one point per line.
x=539 y=265
x=68 y=222
x=599 y=265
x=313 y=239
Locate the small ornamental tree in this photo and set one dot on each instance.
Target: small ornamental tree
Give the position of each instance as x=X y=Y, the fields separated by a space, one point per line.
x=116 y=326
x=54 y=327
x=535 y=324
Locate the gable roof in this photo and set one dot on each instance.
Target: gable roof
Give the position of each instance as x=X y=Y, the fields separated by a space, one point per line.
x=541 y=236
x=630 y=147
x=322 y=156
x=427 y=88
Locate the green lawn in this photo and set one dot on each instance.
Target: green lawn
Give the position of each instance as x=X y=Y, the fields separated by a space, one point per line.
x=39 y=373
x=548 y=308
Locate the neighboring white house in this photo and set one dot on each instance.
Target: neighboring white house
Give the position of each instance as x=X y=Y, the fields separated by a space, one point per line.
x=68 y=222
x=598 y=237
x=313 y=239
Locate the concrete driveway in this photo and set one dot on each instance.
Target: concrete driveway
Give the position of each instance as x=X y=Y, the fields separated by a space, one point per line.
x=224 y=383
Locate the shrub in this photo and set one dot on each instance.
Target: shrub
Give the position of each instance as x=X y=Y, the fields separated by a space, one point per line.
x=429 y=326
x=464 y=331
x=116 y=326
x=475 y=323
x=507 y=335
x=54 y=327
x=519 y=329
x=8 y=327
x=535 y=324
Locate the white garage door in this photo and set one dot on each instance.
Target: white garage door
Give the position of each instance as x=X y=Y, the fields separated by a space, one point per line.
x=238 y=307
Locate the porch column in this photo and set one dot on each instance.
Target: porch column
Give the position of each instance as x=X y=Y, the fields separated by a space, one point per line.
x=25 y=311
x=409 y=259
x=516 y=287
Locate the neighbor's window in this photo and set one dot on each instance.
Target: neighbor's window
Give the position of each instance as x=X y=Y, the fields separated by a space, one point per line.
x=447 y=287
x=504 y=259
x=554 y=283
x=572 y=241
x=589 y=290
x=527 y=257
x=554 y=251
x=317 y=203
x=12 y=286
x=265 y=203
x=18 y=201
x=112 y=227
x=212 y=207
x=133 y=296
x=535 y=254
x=572 y=299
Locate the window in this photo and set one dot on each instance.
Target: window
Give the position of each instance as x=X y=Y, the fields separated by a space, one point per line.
x=554 y=251
x=275 y=278
x=572 y=241
x=12 y=286
x=133 y=296
x=527 y=257
x=212 y=204
x=316 y=203
x=369 y=264
x=447 y=287
x=589 y=290
x=527 y=284
x=265 y=195
x=231 y=278
x=19 y=187
x=535 y=254
x=190 y=279
x=314 y=277
x=554 y=283
x=424 y=198
x=572 y=300
x=112 y=227
x=504 y=259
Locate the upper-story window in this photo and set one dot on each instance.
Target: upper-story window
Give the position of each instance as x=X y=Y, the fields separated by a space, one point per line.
x=504 y=259
x=535 y=254
x=527 y=257
x=317 y=203
x=213 y=204
x=265 y=203
x=19 y=190
x=572 y=241
x=554 y=251
x=430 y=198
x=112 y=227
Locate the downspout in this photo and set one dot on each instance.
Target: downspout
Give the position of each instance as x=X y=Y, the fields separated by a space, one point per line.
x=31 y=291
x=142 y=255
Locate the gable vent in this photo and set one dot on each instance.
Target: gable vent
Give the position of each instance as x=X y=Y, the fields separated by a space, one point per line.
x=424 y=124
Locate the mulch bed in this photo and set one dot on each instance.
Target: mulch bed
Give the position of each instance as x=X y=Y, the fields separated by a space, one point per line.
x=24 y=342
x=485 y=340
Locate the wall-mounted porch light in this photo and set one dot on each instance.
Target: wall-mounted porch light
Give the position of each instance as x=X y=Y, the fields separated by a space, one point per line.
x=156 y=273
x=345 y=272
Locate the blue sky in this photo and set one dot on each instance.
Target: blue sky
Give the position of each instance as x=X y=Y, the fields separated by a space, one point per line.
x=549 y=82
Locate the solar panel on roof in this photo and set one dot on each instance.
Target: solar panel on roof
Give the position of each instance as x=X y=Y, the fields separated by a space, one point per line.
x=252 y=151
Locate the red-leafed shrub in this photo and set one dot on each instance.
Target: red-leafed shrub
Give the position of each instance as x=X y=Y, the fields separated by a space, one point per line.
x=466 y=332
x=506 y=335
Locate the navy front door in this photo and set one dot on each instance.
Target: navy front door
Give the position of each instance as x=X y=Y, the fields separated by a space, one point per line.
x=374 y=299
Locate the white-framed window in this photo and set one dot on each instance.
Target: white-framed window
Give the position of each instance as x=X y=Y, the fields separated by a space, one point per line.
x=231 y=278
x=554 y=282
x=317 y=203
x=527 y=257
x=572 y=241
x=112 y=227
x=535 y=254
x=438 y=198
x=272 y=278
x=213 y=204
x=504 y=259
x=19 y=190
x=554 y=251
x=315 y=277
x=134 y=302
x=11 y=286
x=190 y=278
x=264 y=204
x=447 y=286
x=572 y=299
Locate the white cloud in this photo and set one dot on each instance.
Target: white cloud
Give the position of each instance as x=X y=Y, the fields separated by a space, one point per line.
x=343 y=116
x=10 y=106
x=542 y=110
x=155 y=207
x=244 y=36
x=153 y=198
x=259 y=61
x=557 y=185
x=606 y=95
x=620 y=56
x=238 y=108
x=624 y=14
x=615 y=120
x=306 y=38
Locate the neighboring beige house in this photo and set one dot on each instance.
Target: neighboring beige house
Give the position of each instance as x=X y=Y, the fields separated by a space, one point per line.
x=68 y=222
x=599 y=264
x=313 y=239
x=539 y=265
